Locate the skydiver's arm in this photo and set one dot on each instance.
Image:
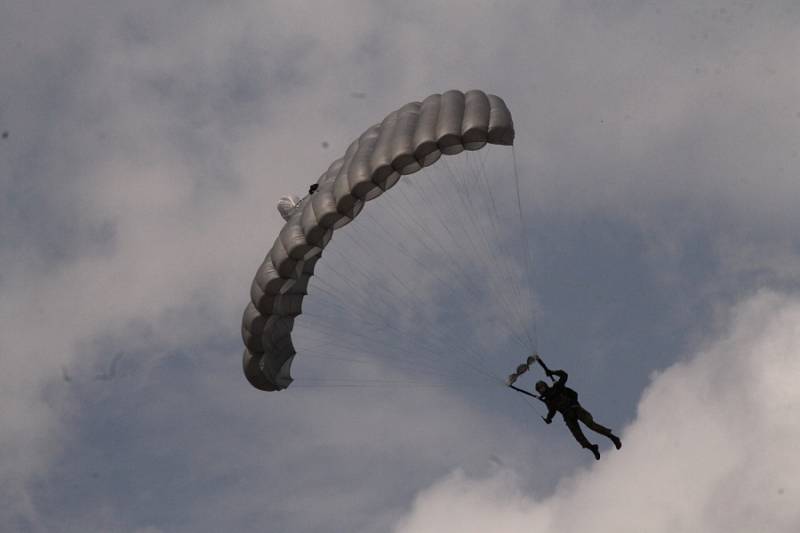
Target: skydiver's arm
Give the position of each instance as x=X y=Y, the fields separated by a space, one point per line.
x=550 y=373
x=551 y=412
x=562 y=376
x=524 y=392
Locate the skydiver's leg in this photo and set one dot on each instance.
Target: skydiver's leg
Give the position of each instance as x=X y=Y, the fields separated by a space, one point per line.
x=586 y=417
x=575 y=429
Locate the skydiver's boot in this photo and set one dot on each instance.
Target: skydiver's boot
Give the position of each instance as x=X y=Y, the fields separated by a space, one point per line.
x=616 y=441
x=595 y=449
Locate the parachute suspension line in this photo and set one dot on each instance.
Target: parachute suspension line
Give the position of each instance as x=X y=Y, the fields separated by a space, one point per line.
x=371 y=297
x=345 y=304
x=324 y=352
x=463 y=192
x=377 y=345
x=365 y=300
x=433 y=349
x=409 y=290
x=522 y=303
x=468 y=287
x=467 y=283
x=349 y=303
x=402 y=247
x=362 y=382
x=406 y=360
x=379 y=286
x=465 y=225
x=466 y=190
x=357 y=384
x=524 y=238
x=503 y=257
x=424 y=237
x=313 y=351
x=371 y=311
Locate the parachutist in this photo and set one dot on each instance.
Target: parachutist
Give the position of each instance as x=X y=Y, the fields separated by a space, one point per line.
x=312 y=189
x=562 y=399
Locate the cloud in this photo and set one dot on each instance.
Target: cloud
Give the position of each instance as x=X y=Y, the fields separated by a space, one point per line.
x=147 y=147
x=713 y=449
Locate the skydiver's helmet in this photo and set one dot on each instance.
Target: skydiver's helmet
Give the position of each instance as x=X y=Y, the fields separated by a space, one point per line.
x=286 y=205
x=541 y=387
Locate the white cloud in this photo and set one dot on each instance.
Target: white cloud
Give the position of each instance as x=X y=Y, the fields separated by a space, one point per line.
x=713 y=449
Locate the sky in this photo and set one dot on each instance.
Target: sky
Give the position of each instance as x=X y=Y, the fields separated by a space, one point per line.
x=144 y=147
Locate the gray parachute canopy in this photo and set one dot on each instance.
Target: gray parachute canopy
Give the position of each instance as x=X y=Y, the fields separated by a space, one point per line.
x=413 y=137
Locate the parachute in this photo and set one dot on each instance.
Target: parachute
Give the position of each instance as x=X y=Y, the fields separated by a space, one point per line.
x=409 y=139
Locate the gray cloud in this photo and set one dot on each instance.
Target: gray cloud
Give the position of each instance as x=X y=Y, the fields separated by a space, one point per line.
x=147 y=147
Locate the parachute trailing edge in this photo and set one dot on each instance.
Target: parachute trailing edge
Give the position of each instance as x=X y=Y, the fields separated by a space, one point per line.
x=413 y=137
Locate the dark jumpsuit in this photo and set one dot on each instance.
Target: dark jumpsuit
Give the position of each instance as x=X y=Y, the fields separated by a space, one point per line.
x=557 y=399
